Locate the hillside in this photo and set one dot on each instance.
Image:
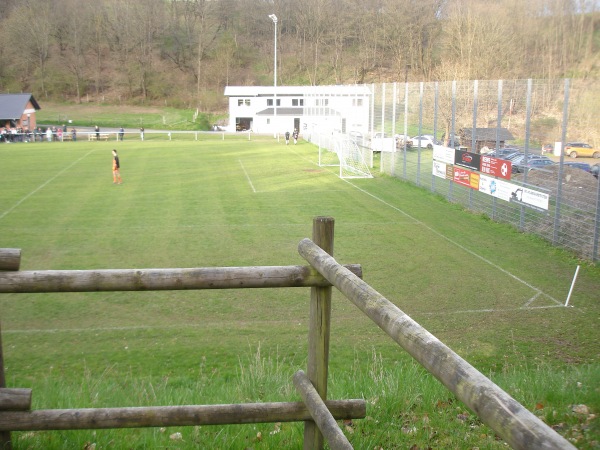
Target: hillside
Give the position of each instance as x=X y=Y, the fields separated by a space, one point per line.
x=182 y=54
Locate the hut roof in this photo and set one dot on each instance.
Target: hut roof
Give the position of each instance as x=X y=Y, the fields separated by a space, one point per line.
x=12 y=106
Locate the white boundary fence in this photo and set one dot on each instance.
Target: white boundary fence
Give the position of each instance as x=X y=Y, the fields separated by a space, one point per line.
x=115 y=135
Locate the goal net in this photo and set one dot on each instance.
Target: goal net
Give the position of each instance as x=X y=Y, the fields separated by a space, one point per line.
x=336 y=149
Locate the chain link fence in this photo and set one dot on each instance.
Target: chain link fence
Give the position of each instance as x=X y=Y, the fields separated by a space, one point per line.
x=470 y=119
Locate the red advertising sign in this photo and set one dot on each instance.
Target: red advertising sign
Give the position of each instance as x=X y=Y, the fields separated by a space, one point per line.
x=462 y=176
x=466 y=178
x=495 y=166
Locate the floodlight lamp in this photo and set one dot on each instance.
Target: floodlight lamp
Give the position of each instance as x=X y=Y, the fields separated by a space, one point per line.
x=273 y=17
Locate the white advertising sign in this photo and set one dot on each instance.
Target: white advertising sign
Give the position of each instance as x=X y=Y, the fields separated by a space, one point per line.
x=513 y=193
x=439 y=169
x=443 y=154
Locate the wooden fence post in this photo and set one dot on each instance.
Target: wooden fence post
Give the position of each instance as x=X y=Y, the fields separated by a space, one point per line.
x=10 y=259
x=5 y=442
x=318 y=331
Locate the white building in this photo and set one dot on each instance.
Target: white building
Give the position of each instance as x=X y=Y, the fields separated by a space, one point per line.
x=263 y=109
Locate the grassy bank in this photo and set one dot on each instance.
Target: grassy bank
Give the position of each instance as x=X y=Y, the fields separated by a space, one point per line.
x=126 y=116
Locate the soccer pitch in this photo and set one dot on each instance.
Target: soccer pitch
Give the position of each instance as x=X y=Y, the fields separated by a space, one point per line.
x=482 y=288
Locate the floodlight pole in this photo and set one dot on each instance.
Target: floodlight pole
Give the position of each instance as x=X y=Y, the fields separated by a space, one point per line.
x=273 y=17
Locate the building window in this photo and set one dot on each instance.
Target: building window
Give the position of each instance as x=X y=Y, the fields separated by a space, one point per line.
x=357 y=102
x=242 y=102
x=322 y=102
x=297 y=102
x=247 y=102
x=270 y=102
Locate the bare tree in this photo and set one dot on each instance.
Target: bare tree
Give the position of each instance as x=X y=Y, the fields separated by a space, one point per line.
x=33 y=15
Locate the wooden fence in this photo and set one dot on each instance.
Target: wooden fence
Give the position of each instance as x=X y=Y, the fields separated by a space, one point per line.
x=515 y=424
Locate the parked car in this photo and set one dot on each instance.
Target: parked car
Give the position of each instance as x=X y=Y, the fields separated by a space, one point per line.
x=425 y=140
x=516 y=155
x=451 y=138
x=505 y=153
x=539 y=163
x=547 y=148
x=577 y=149
x=579 y=165
x=523 y=164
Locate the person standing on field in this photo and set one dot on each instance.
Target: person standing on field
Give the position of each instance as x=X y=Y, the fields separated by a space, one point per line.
x=295 y=136
x=287 y=137
x=116 y=166
x=142 y=133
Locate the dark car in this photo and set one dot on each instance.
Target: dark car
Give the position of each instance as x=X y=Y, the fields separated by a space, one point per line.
x=505 y=153
x=539 y=163
x=515 y=156
x=579 y=165
x=523 y=164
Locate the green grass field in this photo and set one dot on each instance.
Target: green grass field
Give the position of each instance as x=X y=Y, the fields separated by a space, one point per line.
x=493 y=295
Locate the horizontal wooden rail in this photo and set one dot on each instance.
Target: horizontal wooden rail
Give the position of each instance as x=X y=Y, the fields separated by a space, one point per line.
x=15 y=399
x=320 y=414
x=168 y=416
x=10 y=258
x=514 y=423
x=163 y=279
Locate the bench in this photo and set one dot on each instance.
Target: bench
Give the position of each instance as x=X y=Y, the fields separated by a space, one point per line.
x=102 y=137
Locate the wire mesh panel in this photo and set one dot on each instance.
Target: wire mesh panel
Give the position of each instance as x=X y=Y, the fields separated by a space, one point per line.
x=532 y=117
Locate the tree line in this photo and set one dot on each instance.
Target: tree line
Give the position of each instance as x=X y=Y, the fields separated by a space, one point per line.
x=185 y=51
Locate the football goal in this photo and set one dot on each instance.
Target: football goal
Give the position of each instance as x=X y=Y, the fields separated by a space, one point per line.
x=340 y=150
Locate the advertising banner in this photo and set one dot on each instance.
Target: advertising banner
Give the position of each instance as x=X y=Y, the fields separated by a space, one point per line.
x=440 y=169
x=496 y=166
x=467 y=159
x=496 y=188
x=462 y=176
x=443 y=154
x=514 y=193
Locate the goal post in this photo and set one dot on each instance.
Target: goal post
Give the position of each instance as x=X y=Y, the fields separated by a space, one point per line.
x=341 y=150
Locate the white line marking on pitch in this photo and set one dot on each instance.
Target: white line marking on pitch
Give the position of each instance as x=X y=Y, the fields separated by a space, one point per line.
x=462 y=247
x=8 y=211
x=537 y=291
x=487 y=310
x=247 y=176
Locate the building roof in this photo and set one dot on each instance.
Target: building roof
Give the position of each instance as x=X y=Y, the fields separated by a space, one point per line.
x=12 y=106
x=487 y=134
x=299 y=91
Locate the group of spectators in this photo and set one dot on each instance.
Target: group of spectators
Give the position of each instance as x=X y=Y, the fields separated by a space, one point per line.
x=50 y=134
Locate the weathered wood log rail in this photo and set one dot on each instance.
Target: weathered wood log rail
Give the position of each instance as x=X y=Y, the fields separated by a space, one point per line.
x=514 y=423
x=15 y=413
x=520 y=428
